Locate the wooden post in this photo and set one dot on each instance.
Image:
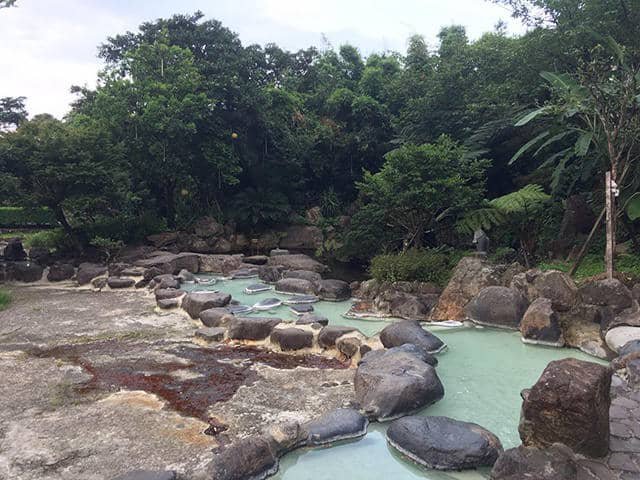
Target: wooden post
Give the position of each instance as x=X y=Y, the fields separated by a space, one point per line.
x=609 y=222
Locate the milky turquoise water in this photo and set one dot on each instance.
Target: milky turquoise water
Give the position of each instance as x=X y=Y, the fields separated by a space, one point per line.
x=483 y=372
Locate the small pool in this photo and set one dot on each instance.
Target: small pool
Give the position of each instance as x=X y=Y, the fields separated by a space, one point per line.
x=483 y=372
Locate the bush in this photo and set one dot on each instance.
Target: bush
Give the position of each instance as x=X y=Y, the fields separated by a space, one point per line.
x=16 y=217
x=593 y=264
x=415 y=265
x=54 y=239
x=5 y=299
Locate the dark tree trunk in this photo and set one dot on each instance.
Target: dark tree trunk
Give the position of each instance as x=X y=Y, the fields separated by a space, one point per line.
x=68 y=229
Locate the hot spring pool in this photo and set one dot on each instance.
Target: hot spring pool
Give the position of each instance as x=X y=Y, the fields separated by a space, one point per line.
x=483 y=372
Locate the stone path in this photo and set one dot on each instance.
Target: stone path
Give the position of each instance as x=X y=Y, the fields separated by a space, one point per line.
x=624 y=458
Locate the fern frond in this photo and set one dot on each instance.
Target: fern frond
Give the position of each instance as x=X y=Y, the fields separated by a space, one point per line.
x=515 y=202
x=485 y=218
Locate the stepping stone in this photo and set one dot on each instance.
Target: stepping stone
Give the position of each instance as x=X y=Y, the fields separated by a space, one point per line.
x=211 y=334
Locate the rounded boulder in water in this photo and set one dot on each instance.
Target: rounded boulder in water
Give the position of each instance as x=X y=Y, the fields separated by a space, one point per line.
x=339 y=424
x=410 y=331
x=444 y=443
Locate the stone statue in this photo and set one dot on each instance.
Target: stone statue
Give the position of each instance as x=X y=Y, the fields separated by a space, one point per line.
x=481 y=241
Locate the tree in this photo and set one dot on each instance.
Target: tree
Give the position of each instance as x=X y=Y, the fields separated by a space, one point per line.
x=73 y=168
x=420 y=186
x=12 y=112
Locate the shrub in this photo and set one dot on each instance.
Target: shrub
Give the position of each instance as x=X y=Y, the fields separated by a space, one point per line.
x=5 y=299
x=15 y=217
x=54 y=239
x=415 y=265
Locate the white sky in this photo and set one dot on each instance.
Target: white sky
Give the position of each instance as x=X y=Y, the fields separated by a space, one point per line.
x=48 y=45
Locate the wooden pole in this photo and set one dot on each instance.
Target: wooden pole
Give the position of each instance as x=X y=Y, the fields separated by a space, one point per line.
x=609 y=222
x=587 y=242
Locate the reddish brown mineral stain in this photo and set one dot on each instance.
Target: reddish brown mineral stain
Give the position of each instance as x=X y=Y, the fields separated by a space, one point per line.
x=215 y=374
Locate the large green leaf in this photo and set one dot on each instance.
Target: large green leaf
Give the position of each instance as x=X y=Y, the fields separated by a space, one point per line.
x=561 y=81
x=531 y=115
x=553 y=139
x=632 y=207
x=527 y=146
x=583 y=143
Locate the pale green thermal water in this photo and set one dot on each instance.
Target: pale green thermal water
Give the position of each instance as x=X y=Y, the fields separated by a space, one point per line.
x=483 y=372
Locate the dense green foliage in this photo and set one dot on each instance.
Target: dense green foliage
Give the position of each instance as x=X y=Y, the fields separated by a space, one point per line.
x=15 y=217
x=433 y=266
x=418 y=148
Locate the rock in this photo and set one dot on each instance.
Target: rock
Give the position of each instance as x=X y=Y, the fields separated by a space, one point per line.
x=334 y=290
x=208 y=227
x=118 y=282
x=250 y=458
x=607 y=293
x=328 y=335
x=185 y=276
x=245 y=271
x=498 y=307
x=270 y=274
x=251 y=328
x=470 y=276
x=168 y=303
x=215 y=317
x=161 y=240
x=195 y=302
x=148 y=475
x=172 y=263
x=278 y=251
x=302 y=237
x=297 y=262
x=555 y=285
x=133 y=272
x=14 y=251
x=116 y=269
x=632 y=346
x=416 y=351
x=313 y=215
x=222 y=264
x=210 y=334
x=40 y=255
x=285 y=436
x=569 y=404
x=348 y=346
x=292 y=338
x=392 y=383
x=311 y=318
x=540 y=324
x=408 y=300
x=295 y=285
x=410 y=331
x=581 y=329
x=59 y=272
x=556 y=462
x=27 y=272
x=89 y=271
x=617 y=337
x=151 y=273
x=443 y=443
x=99 y=283
x=166 y=293
x=166 y=280
x=312 y=277
x=256 y=259
x=336 y=425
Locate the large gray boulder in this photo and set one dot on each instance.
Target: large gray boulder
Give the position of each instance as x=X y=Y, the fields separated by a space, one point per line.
x=408 y=300
x=410 y=331
x=297 y=262
x=251 y=458
x=196 y=302
x=302 y=237
x=295 y=285
x=617 y=337
x=336 y=425
x=215 y=317
x=27 y=272
x=120 y=282
x=329 y=334
x=334 y=290
x=166 y=293
x=569 y=404
x=289 y=339
x=166 y=280
x=59 y=272
x=88 y=271
x=270 y=273
x=607 y=293
x=497 y=307
x=540 y=324
x=14 y=251
x=313 y=277
x=555 y=285
x=312 y=318
x=470 y=276
x=443 y=443
x=556 y=462
x=251 y=328
x=172 y=263
x=393 y=383
x=222 y=264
